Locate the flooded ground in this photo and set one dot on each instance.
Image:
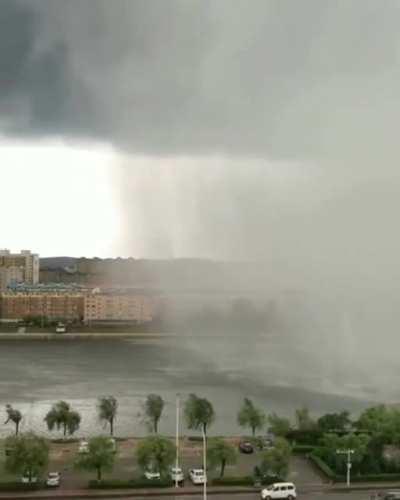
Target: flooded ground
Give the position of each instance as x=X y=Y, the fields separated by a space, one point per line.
x=34 y=374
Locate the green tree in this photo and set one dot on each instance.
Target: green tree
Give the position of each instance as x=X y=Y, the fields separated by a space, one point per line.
x=14 y=416
x=100 y=457
x=279 y=426
x=61 y=416
x=29 y=455
x=154 y=406
x=199 y=413
x=334 y=422
x=303 y=419
x=107 y=408
x=220 y=453
x=275 y=461
x=332 y=442
x=250 y=416
x=156 y=453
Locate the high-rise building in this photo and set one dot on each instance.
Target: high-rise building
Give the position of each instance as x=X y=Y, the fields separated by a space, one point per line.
x=19 y=267
x=10 y=276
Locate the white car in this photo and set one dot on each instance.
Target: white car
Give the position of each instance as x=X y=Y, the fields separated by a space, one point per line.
x=25 y=479
x=113 y=444
x=152 y=475
x=53 y=479
x=83 y=447
x=176 y=474
x=279 y=490
x=197 y=476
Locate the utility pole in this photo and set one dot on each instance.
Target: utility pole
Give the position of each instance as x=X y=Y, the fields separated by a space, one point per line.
x=347 y=452
x=177 y=441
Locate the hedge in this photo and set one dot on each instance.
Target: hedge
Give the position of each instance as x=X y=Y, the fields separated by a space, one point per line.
x=306 y=437
x=133 y=483
x=233 y=481
x=65 y=441
x=385 y=477
x=322 y=466
x=195 y=438
x=303 y=448
x=17 y=486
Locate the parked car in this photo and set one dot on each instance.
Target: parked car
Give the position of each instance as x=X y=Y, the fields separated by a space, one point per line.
x=279 y=490
x=197 y=476
x=25 y=479
x=53 y=479
x=246 y=447
x=152 y=475
x=176 y=474
x=113 y=444
x=83 y=447
x=267 y=443
x=61 y=328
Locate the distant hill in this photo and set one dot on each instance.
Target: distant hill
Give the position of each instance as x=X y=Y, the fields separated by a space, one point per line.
x=57 y=262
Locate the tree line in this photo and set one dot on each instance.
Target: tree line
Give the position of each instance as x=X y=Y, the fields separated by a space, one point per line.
x=330 y=431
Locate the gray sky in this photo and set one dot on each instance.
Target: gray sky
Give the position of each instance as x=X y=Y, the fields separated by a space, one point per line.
x=233 y=129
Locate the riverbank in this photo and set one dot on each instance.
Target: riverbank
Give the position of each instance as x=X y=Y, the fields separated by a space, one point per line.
x=84 y=336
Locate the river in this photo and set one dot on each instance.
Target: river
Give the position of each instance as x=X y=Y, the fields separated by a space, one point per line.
x=35 y=374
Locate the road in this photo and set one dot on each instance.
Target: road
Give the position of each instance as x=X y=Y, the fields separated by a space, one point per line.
x=302 y=496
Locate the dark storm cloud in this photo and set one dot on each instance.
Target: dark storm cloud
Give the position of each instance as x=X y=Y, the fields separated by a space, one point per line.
x=279 y=78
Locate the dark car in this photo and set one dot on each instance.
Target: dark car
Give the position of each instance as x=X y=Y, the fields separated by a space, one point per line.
x=246 y=447
x=392 y=495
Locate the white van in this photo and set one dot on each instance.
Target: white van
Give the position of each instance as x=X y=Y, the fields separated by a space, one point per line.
x=279 y=490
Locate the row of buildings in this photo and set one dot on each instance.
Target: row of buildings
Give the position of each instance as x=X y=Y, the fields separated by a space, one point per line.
x=76 y=304
x=22 y=297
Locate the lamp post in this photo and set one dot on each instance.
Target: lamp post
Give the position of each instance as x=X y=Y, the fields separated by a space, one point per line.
x=177 y=440
x=347 y=452
x=204 y=463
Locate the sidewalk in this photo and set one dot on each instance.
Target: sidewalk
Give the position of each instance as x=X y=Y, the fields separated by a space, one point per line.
x=128 y=493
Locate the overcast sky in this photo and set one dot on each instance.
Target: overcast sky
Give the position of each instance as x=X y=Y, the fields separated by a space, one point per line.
x=221 y=129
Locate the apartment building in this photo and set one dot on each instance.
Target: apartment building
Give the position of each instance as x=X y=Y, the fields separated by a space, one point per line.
x=12 y=264
x=17 y=305
x=119 y=306
x=10 y=276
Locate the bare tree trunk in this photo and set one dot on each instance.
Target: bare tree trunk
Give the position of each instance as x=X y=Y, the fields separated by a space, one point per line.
x=98 y=474
x=112 y=427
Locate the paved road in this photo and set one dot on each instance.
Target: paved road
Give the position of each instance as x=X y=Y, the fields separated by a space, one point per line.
x=301 y=496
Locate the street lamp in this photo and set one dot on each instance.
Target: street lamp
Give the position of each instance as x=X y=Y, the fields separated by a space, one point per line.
x=204 y=463
x=177 y=441
x=348 y=453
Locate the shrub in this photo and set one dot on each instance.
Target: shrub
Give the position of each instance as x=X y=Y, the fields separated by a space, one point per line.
x=233 y=481
x=65 y=441
x=133 y=483
x=196 y=439
x=17 y=486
